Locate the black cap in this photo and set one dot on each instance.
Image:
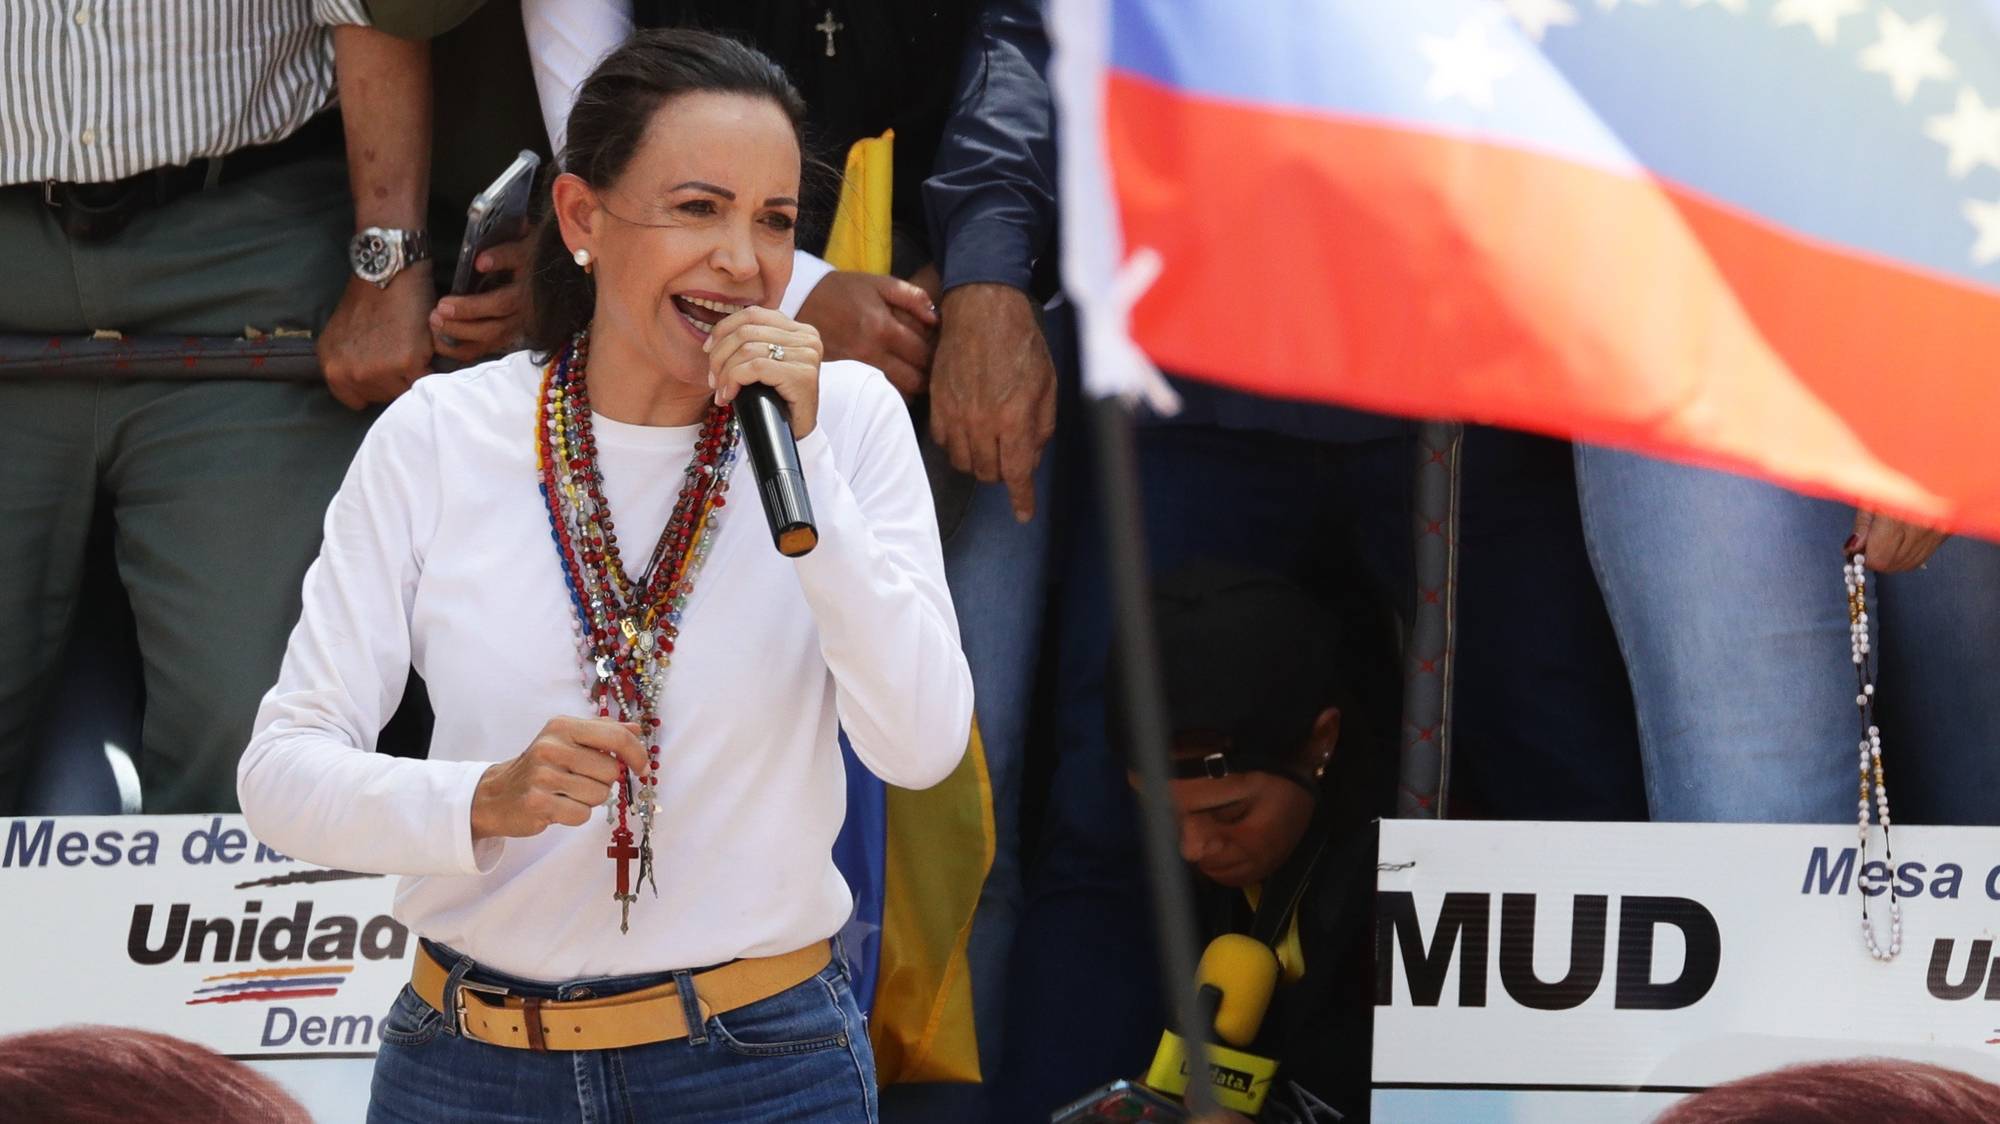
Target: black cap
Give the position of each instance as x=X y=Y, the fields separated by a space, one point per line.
x=1247 y=660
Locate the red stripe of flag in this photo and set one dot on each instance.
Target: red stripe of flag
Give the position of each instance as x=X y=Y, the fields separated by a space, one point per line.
x=1315 y=257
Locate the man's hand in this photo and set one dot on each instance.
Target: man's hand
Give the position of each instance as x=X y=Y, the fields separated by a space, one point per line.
x=993 y=388
x=377 y=342
x=1891 y=545
x=477 y=325
x=882 y=321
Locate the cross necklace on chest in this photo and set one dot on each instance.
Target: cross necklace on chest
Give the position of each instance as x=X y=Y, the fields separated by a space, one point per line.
x=827 y=26
x=625 y=627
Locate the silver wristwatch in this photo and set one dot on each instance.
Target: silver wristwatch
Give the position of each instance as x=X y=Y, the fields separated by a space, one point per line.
x=378 y=255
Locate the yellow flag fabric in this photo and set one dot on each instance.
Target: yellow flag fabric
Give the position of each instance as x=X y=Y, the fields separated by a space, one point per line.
x=940 y=841
x=860 y=239
x=939 y=850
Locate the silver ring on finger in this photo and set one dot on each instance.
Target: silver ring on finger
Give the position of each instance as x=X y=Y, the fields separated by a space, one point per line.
x=777 y=352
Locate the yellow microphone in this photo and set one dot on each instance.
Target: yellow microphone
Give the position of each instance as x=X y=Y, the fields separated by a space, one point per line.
x=1233 y=986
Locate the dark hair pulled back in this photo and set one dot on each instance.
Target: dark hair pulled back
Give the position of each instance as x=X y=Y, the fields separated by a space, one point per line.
x=607 y=123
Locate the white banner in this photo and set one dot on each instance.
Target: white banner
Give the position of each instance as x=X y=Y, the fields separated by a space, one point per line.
x=188 y=926
x=1597 y=972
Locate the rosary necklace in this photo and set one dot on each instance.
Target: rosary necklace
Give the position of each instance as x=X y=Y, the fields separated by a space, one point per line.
x=1856 y=572
x=624 y=628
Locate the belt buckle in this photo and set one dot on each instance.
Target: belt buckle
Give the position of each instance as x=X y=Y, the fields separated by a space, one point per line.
x=458 y=1003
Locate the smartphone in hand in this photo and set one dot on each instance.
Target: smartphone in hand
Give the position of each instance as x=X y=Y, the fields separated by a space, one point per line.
x=497 y=215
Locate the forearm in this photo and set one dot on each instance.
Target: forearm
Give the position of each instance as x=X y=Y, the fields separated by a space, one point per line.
x=385 y=103
x=311 y=795
x=887 y=630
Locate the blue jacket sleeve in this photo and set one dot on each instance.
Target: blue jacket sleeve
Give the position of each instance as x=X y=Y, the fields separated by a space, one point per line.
x=991 y=200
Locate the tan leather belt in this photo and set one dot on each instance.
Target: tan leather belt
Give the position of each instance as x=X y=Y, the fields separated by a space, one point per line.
x=492 y=1015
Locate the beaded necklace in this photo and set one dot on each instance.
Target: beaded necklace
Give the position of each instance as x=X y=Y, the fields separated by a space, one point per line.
x=1856 y=571
x=625 y=628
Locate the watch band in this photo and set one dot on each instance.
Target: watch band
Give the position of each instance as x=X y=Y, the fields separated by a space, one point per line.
x=416 y=246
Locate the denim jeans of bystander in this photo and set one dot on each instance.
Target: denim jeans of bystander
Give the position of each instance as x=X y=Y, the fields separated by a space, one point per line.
x=1727 y=598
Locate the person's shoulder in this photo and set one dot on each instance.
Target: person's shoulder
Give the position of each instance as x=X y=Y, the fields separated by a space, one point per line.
x=469 y=400
x=493 y=386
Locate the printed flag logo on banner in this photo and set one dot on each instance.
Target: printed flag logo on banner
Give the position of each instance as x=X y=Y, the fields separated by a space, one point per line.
x=266 y=984
x=1756 y=234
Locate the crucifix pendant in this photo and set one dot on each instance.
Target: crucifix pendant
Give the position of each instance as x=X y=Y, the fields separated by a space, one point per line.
x=828 y=26
x=622 y=850
x=646 y=865
x=621 y=797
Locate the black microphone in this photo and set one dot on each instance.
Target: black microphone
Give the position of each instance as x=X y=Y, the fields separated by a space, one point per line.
x=774 y=457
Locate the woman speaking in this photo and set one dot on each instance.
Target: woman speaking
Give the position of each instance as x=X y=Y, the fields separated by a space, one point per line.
x=619 y=850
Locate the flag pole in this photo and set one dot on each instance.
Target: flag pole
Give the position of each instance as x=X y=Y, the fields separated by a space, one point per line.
x=1144 y=702
x=1106 y=282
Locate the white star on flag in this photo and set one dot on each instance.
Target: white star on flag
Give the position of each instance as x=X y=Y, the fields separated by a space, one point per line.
x=1971 y=131
x=1985 y=218
x=1908 y=53
x=1735 y=7
x=1537 y=16
x=1465 y=65
x=1823 y=16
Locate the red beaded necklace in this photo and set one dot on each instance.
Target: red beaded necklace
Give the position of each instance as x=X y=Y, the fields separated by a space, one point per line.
x=625 y=628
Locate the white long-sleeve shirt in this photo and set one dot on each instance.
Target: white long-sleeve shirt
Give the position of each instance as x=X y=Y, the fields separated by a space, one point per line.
x=437 y=555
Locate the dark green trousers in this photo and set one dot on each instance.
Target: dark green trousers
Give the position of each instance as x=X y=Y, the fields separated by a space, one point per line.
x=216 y=489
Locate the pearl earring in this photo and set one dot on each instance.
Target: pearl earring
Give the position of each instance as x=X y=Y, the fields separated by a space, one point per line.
x=582 y=259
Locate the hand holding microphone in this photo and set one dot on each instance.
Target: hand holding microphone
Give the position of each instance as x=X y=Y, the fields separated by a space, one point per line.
x=768 y=365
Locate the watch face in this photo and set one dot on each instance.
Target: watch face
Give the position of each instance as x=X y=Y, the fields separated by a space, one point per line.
x=372 y=256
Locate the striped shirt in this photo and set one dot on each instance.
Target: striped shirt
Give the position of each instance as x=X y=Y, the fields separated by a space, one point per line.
x=97 y=90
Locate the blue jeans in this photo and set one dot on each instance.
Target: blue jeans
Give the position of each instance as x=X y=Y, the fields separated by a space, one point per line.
x=1727 y=599
x=800 y=1056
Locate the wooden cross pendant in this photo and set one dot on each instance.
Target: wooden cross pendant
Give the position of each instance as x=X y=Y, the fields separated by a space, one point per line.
x=622 y=849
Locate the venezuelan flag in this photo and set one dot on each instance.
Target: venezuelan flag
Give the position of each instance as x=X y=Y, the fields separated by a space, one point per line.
x=1762 y=235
